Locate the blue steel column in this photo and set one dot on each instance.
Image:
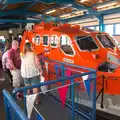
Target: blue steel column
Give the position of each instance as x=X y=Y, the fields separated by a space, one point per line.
x=25 y=105
x=63 y=74
x=94 y=99
x=73 y=99
x=6 y=109
x=101 y=23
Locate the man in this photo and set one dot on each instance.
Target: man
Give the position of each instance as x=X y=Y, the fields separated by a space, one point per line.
x=5 y=63
x=15 y=63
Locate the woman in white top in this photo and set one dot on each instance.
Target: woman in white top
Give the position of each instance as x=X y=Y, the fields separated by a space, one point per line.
x=30 y=68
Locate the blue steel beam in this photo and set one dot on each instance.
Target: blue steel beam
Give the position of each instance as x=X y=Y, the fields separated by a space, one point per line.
x=47 y=1
x=18 y=21
x=17 y=1
x=17 y=12
x=57 y=1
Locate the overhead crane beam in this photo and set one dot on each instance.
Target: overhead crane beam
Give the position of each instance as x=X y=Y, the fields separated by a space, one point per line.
x=18 y=21
x=17 y=12
x=17 y=1
x=56 y=1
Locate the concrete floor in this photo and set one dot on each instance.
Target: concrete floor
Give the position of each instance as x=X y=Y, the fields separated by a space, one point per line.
x=4 y=84
x=2 y=111
x=51 y=109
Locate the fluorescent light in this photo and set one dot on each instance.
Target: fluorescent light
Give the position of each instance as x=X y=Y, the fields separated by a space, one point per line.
x=79 y=12
x=66 y=15
x=107 y=5
x=83 y=1
x=50 y=11
x=70 y=15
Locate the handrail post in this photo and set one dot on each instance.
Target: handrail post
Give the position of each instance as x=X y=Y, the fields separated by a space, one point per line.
x=94 y=100
x=6 y=109
x=63 y=74
x=25 y=105
x=73 y=99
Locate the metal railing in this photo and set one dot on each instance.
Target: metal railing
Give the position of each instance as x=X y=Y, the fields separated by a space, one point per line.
x=13 y=111
x=77 y=112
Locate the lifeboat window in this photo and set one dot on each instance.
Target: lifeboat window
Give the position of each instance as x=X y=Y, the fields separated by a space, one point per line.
x=45 y=40
x=54 y=41
x=105 y=41
x=65 y=45
x=36 y=40
x=86 y=43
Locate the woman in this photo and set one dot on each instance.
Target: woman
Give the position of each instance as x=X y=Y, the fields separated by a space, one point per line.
x=30 y=69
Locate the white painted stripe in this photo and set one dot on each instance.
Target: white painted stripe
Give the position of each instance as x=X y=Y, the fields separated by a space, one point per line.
x=39 y=113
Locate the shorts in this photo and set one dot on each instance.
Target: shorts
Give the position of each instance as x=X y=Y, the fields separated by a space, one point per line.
x=32 y=81
x=17 y=78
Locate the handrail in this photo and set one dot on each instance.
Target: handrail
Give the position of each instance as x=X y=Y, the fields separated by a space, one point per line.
x=12 y=103
x=51 y=82
x=81 y=67
x=64 y=66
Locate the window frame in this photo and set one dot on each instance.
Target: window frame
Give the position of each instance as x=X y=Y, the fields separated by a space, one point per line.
x=34 y=42
x=87 y=50
x=70 y=45
x=115 y=34
x=57 y=41
x=107 y=36
x=43 y=39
